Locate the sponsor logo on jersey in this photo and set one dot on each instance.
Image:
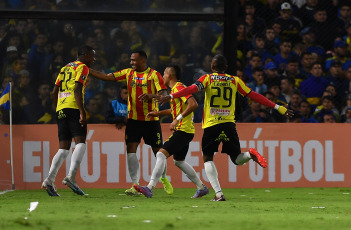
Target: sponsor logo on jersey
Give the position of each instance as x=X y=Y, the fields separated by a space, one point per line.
x=220 y=77
x=64 y=94
x=220 y=112
x=139 y=78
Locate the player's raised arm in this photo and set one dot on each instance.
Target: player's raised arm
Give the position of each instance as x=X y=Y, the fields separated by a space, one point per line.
x=192 y=105
x=102 y=76
x=264 y=101
x=181 y=93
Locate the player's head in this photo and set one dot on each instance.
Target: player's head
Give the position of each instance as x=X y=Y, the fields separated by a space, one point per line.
x=172 y=73
x=86 y=54
x=219 y=64
x=138 y=60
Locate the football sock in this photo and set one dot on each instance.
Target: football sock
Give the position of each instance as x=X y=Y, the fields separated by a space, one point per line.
x=56 y=163
x=164 y=173
x=77 y=157
x=133 y=167
x=190 y=173
x=212 y=175
x=157 y=171
x=242 y=158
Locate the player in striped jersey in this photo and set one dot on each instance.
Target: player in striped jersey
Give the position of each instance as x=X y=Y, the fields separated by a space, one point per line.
x=178 y=143
x=71 y=119
x=140 y=80
x=219 y=118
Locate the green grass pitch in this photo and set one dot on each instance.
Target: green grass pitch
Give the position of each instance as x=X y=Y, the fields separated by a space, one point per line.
x=277 y=208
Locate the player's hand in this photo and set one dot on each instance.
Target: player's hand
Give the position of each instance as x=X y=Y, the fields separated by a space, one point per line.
x=289 y=113
x=173 y=125
x=152 y=114
x=145 y=97
x=82 y=119
x=163 y=99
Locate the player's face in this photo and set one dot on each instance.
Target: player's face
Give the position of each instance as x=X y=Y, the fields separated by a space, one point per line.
x=90 y=58
x=167 y=76
x=137 y=63
x=124 y=94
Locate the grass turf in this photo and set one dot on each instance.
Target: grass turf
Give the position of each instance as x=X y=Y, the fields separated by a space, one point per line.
x=278 y=208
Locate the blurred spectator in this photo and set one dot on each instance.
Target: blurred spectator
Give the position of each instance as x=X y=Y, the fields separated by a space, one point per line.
x=91 y=89
x=309 y=39
x=305 y=112
x=257 y=84
x=278 y=97
x=117 y=112
x=287 y=87
x=17 y=65
x=346 y=118
x=271 y=74
x=306 y=12
x=326 y=108
x=205 y=67
x=290 y=25
x=347 y=37
x=92 y=112
x=37 y=56
x=340 y=55
x=305 y=67
x=258 y=44
x=10 y=58
x=322 y=28
x=328 y=118
x=270 y=11
x=337 y=79
x=292 y=69
x=281 y=59
x=111 y=90
x=272 y=41
x=295 y=101
x=44 y=110
x=343 y=17
x=314 y=86
x=254 y=62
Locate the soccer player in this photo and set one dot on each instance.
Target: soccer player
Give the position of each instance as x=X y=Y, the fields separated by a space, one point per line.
x=71 y=118
x=140 y=79
x=219 y=118
x=178 y=143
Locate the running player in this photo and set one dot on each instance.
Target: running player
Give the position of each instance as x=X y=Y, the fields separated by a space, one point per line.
x=219 y=119
x=140 y=79
x=178 y=143
x=71 y=119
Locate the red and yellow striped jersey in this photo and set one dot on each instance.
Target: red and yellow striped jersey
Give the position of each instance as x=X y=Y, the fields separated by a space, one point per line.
x=178 y=105
x=150 y=82
x=66 y=80
x=220 y=94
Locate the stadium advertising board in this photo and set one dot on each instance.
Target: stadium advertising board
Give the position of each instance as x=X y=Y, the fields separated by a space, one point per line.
x=299 y=155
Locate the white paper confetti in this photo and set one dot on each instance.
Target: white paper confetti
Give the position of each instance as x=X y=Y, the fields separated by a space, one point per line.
x=113 y=216
x=346 y=193
x=33 y=206
x=195 y=206
x=147 y=221
x=267 y=190
x=318 y=207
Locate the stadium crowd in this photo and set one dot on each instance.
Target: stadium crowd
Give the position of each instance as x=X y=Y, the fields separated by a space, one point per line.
x=296 y=53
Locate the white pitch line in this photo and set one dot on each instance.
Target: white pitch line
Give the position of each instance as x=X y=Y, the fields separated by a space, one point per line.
x=3 y=192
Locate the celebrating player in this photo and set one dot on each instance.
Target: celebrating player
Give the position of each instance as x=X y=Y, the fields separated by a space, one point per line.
x=71 y=121
x=140 y=79
x=219 y=119
x=178 y=143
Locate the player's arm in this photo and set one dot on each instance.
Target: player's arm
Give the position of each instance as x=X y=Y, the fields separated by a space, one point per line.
x=159 y=113
x=264 y=101
x=181 y=93
x=147 y=97
x=54 y=94
x=192 y=105
x=102 y=76
x=78 y=95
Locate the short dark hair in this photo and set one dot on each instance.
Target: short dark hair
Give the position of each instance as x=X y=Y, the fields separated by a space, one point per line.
x=84 y=49
x=141 y=53
x=177 y=70
x=221 y=63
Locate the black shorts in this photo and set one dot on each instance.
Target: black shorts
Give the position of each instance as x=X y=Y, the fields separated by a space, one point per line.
x=178 y=144
x=68 y=124
x=225 y=133
x=150 y=131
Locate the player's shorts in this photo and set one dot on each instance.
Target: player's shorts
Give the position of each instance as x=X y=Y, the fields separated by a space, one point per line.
x=225 y=133
x=178 y=144
x=68 y=124
x=150 y=131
